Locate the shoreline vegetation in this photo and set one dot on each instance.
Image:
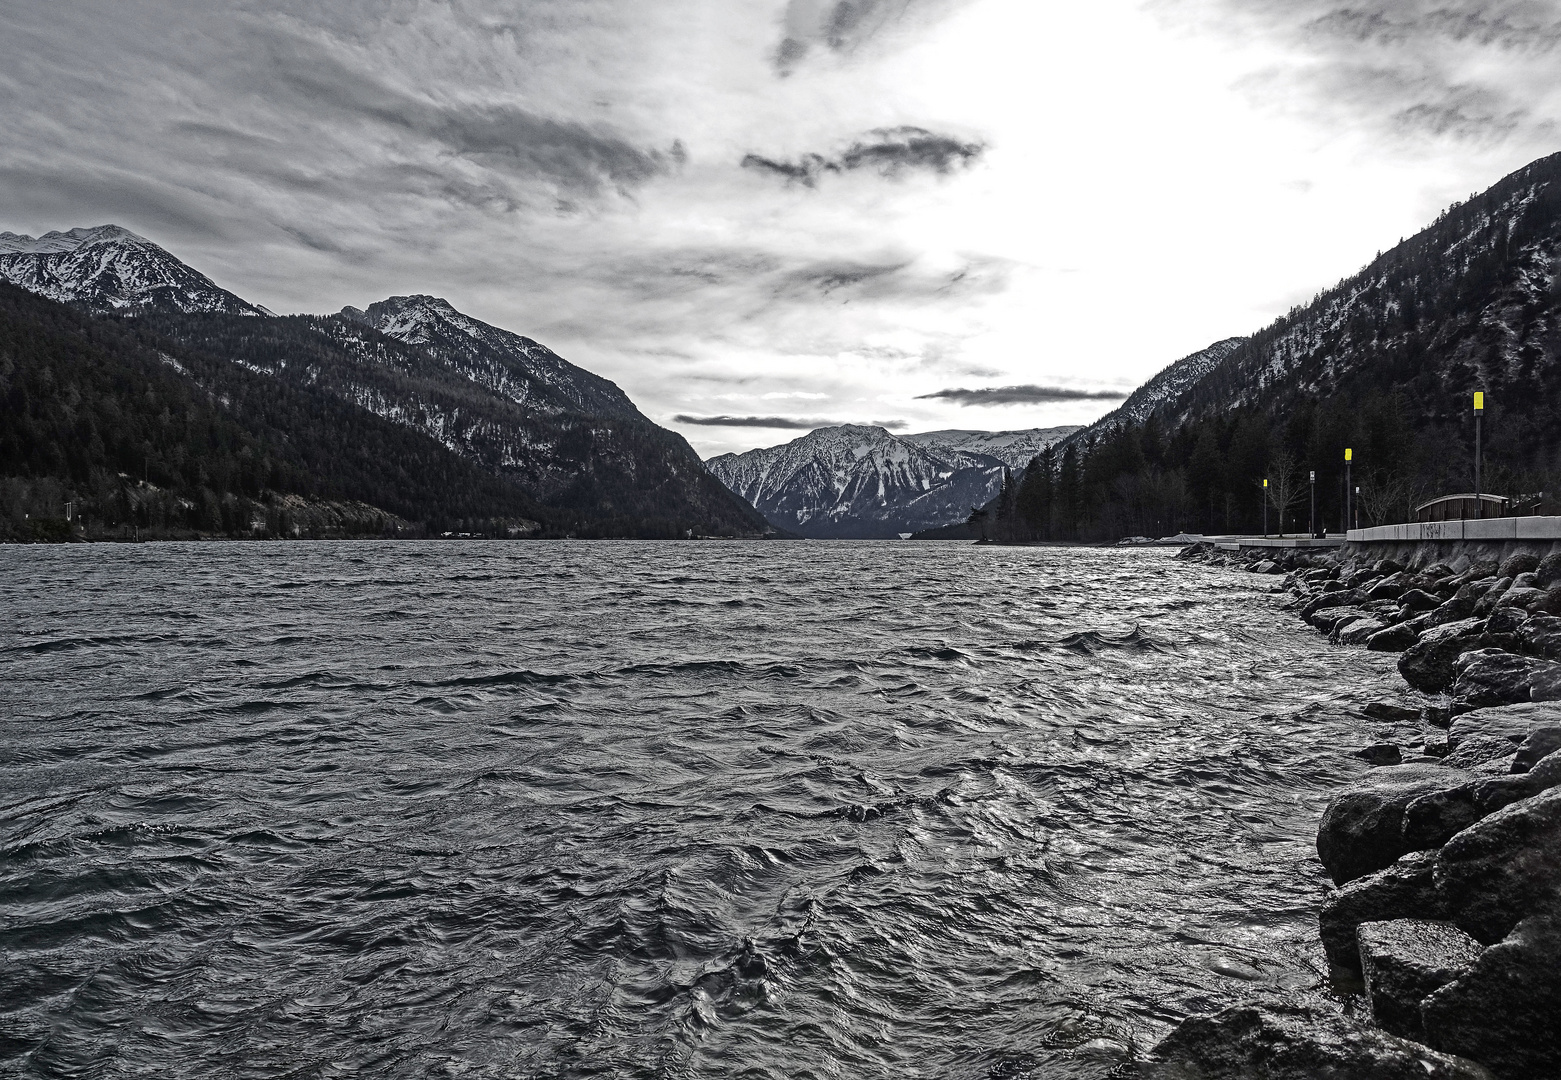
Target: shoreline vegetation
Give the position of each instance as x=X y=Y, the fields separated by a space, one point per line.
x=1443 y=929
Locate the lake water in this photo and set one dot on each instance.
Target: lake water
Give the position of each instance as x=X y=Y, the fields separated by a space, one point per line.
x=645 y=810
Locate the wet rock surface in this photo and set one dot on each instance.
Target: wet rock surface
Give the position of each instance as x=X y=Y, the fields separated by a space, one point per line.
x=1504 y=867
x=1246 y=1042
x=1362 y=828
x=1406 y=960
x=1405 y=890
x=1503 y=1010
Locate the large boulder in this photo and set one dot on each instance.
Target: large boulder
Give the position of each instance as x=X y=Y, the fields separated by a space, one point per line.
x=1428 y=664
x=1389 y=588
x=1406 y=960
x=1492 y=595
x=1456 y=608
x=1358 y=631
x=1329 y=617
x=1504 y=867
x=1416 y=600
x=1405 y=890
x=1540 y=635
x=1521 y=562
x=1549 y=569
x=1538 y=745
x=1393 y=639
x=1251 y=1042
x=1521 y=598
x=1362 y=828
x=1486 y=677
x=1506 y=1010
x=1514 y=723
x=1432 y=820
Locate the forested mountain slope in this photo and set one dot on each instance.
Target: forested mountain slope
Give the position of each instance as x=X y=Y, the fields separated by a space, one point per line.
x=563 y=448
x=1384 y=363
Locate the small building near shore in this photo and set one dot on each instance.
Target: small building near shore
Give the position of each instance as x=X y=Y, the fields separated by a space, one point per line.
x=1465 y=506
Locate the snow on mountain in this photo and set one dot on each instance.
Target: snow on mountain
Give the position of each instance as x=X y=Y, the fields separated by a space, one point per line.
x=512 y=366
x=859 y=482
x=1167 y=386
x=108 y=268
x=1012 y=448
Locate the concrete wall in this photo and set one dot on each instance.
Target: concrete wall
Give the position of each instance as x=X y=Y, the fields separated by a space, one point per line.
x=1423 y=543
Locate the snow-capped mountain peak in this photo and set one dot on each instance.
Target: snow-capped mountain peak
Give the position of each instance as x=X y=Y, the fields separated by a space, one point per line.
x=525 y=371
x=110 y=268
x=1012 y=448
x=859 y=481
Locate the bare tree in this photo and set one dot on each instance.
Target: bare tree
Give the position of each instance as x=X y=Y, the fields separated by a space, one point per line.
x=1383 y=494
x=1285 y=489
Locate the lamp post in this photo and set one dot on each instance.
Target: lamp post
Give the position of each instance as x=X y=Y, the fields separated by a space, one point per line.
x=1348 y=517
x=1479 y=411
x=1265 y=510
x=1312 y=523
x=1356 y=504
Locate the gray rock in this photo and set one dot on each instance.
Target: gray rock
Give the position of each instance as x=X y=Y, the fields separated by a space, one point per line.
x=1487 y=677
x=1521 y=562
x=1506 y=620
x=1388 y=566
x=1515 y=723
x=1551 y=604
x=1432 y=820
x=1251 y=1042
x=1380 y=754
x=1526 y=581
x=1521 y=598
x=1393 y=639
x=1357 y=631
x=1549 y=569
x=1429 y=664
x=1504 y=867
x=1419 y=600
x=1545 y=684
x=1435 y=741
x=1389 y=588
x=1480 y=749
x=1492 y=596
x=1458 y=607
x=1506 y=1010
x=1547 y=774
x=1540 y=635
x=1390 y=713
x=1329 y=617
x=1362 y=828
x=1405 y=890
x=1404 y=962
x=1540 y=744
x=1461 y=565
x=1266 y=566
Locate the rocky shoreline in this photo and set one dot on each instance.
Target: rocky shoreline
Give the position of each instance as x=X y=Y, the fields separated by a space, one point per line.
x=1445 y=855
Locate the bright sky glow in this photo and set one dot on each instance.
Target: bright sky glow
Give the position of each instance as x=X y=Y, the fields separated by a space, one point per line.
x=1097 y=188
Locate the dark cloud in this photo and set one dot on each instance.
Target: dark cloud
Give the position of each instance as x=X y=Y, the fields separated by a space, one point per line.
x=1020 y=395
x=571 y=155
x=843 y=26
x=889 y=151
x=785 y=423
x=1466 y=70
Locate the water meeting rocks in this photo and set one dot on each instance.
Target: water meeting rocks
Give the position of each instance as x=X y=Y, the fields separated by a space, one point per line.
x=1504 y=867
x=1406 y=960
x=1504 y=1010
x=1362 y=828
x=1393 y=638
x=1405 y=890
x=1250 y=1042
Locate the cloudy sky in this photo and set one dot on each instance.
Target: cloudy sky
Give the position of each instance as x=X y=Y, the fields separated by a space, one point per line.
x=761 y=215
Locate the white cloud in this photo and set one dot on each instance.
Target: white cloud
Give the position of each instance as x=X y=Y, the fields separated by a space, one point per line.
x=1099 y=188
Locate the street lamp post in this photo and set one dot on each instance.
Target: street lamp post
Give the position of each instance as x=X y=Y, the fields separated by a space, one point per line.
x=1312 y=523
x=1265 y=510
x=1479 y=411
x=1348 y=517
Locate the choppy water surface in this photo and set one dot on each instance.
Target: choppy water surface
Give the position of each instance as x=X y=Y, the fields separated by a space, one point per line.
x=766 y=809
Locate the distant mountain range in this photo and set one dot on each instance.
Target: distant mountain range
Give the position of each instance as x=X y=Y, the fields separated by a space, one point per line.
x=568 y=451
x=860 y=482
